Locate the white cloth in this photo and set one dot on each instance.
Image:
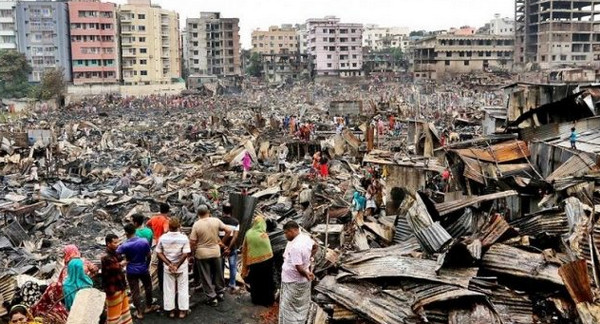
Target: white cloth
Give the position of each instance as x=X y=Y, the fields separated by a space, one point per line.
x=176 y=283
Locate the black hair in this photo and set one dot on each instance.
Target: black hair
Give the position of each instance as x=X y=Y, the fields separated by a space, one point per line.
x=227 y=209
x=291 y=225
x=138 y=219
x=129 y=229
x=573 y=129
x=164 y=208
x=109 y=238
x=18 y=309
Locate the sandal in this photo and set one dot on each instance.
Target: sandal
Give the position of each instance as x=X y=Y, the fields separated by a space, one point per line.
x=151 y=309
x=138 y=316
x=172 y=314
x=183 y=314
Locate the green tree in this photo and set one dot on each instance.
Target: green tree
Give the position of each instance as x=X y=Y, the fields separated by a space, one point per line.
x=255 y=66
x=14 y=70
x=53 y=85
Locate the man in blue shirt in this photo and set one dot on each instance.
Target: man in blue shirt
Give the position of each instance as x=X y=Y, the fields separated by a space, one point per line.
x=573 y=138
x=137 y=253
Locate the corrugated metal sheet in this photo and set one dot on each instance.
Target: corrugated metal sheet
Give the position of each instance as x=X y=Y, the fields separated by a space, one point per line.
x=503 y=152
x=479 y=171
x=428 y=293
x=551 y=224
x=433 y=238
x=513 y=307
x=448 y=207
x=575 y=166
x=403 y=231
x=510 y=261
x=492 y=231
x=243 y=210
x=395 y=266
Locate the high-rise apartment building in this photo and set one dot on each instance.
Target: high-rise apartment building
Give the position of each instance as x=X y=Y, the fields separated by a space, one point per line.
x=213 y=45
x=336 y=48
x=302 y=36
x=276 y=40
x=43 y=36
x=502 y=26
x=8 y=37
x=94 y=50
x=380 y=38
x=557 y=33
x=149 y=38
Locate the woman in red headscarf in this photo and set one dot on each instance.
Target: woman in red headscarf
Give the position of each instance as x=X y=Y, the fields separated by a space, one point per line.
x=50 y=306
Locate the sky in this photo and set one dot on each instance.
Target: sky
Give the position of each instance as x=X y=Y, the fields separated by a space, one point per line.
x=415 y=14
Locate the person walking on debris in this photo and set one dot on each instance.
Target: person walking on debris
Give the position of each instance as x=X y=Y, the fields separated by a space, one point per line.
x=296 y=275
x=359 y=203
x=124 y=183
x=114 y=283
x=316 y=163
x=324 y=168
x=137 y=253
x=50 y=305
x=204 y=240
x=141 y=230
x=573 y=138
x=246 y=164
x=257 y=263
x=282 y=156
x=76 y=280
x=229 y=242
x=160 y=225
x=173 y=249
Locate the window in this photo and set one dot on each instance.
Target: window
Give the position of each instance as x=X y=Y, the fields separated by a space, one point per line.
x=143 y=72
x=141 y=16
x=143 y=62
x=466 y=63
x=328 y=65
x=142 y=39
x=141 y=28
x=354 y=65
x=447 y=63
x=143 y=50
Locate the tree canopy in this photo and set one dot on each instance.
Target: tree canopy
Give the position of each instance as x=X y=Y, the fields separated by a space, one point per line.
x=254 y=66
x=14 y=70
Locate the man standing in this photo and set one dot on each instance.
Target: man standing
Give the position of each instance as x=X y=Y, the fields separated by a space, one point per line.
x=173 y=249
x=159 y=225
x=573 y=138
x=113 y=281
x=296 y=276
x=205 y=241
x=229 y=242
x=137 y=253
x=124 y=183
x=141 y=230
x=282 y=156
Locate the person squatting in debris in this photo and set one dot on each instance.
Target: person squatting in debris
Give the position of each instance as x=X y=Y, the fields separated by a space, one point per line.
x=51 y=306
x=229 y=242
x=257 y=263
x=173 y=249
x=205 y=243
x=124 y=183
x=296 y=275
x=136 y=251
x=19 y=314
x=114 y=284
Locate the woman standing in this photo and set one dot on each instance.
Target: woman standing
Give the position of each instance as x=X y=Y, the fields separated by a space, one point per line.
x=50 y=305
x=246 y=164
x=257 y=263
x=76 y=280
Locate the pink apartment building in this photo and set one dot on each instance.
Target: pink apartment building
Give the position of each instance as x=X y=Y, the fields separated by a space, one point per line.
x=94 y=53
x=336 y=48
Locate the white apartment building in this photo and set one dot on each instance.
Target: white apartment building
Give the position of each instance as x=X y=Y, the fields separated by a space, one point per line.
x=8 y=36
x=336 y=48
x=379 y=38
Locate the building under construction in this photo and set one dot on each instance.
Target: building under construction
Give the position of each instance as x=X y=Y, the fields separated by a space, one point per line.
x=554 y=33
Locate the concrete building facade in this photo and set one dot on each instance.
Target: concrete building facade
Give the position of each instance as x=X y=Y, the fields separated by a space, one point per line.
x=213 y=45
x=149 y=38
x=502 y=26
x=302 y=37
x=335 y=48
x=8 y=36
x=282 y=67
x=94 y=50
x=43 y=36
x=557 y=33
x=276 y=40
x=380 y=38
x=436 y=56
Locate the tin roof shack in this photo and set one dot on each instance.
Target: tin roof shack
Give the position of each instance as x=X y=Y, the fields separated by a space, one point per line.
x=575 y=75
x=494 y=120
x=410 y=172
x=345 y=107
x=523 y=97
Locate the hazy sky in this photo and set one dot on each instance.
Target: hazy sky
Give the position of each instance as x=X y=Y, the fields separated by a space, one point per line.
x=415 y=14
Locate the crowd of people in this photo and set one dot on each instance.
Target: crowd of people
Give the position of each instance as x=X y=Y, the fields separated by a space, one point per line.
x=212 y=243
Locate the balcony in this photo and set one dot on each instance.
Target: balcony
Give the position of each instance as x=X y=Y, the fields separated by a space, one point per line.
x=127 y=30
x=129 y=54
